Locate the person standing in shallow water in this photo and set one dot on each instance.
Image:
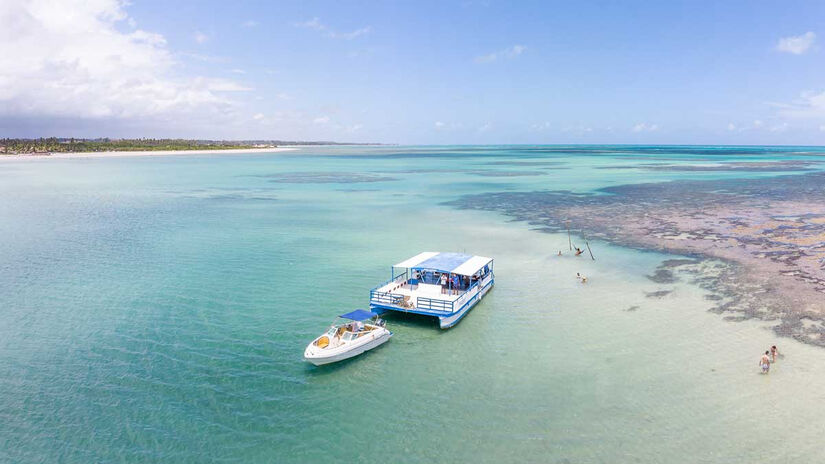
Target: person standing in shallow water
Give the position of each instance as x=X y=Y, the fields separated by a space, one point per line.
x=765 y=362
x=774 y=353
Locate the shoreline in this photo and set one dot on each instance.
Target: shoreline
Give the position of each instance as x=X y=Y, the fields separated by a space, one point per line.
x=125 y=154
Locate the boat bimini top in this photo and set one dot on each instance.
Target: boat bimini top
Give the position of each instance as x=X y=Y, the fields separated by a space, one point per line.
x=359 y=315
x=449 y=263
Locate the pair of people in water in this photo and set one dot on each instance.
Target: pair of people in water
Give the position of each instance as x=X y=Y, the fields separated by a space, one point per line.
x=768 y=358
x=579 y=251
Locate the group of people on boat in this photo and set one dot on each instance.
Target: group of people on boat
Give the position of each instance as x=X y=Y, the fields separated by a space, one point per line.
x=451 y=284
x=768 y=358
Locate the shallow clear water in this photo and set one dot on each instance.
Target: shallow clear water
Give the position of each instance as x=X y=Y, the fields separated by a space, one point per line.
x=156 y=309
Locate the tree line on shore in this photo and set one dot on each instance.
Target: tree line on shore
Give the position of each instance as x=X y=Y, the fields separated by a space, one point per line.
x=69 y=145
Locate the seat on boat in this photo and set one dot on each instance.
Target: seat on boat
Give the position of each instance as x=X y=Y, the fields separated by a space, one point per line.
x=322 y=342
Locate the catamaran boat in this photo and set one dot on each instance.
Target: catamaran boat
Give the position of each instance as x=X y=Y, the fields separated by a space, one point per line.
x=359 y=331
x=444 y=285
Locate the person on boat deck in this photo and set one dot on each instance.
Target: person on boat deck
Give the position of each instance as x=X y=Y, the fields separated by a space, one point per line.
x=456 y=284
x=443 y=283
x=359 y=326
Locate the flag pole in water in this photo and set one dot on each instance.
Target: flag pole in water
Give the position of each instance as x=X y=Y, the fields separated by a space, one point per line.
x=569 y=240
x=588 y=245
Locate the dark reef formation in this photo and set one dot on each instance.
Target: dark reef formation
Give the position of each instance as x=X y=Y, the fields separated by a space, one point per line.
x=767 y=238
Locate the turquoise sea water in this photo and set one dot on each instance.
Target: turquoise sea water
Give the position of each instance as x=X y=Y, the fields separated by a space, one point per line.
x=156 y=309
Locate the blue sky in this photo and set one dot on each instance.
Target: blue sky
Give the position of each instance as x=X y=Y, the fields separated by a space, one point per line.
x=748 y=72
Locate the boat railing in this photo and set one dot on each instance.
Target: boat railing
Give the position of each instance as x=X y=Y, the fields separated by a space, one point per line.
x=482 y=285
x=386 y=297
x=431 y=304
x=434 y=305
x=399 y=279
x=468 y=293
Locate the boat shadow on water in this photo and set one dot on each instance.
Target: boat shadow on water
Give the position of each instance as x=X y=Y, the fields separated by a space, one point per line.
x=419 y=321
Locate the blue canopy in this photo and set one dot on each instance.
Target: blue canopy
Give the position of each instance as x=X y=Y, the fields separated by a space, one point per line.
x=444 y=261
x=359 y=315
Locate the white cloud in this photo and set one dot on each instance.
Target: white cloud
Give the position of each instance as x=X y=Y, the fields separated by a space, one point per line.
x=203 y=58
x=645 y=127
x=782 y=127
x=448 y=126
x=219 y=85
x=508 y=53
x=237 y=71
x=350 y=35
x=200 y=37
x=250 y=23
x=484 y=128
x=321 y=120
x=796 y=45
x=755 y=125
x=809 y=105
x=578 y=130
x=354 y=128
x=540 y=127
x=258 y=116
x=67 y=59
x=316 y=25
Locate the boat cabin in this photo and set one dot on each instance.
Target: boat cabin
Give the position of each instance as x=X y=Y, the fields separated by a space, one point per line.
x=444 y=285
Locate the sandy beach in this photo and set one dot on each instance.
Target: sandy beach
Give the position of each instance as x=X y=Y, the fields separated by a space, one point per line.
x=124 y=154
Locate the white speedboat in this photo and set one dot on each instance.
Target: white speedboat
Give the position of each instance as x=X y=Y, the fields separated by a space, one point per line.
x=362 y=331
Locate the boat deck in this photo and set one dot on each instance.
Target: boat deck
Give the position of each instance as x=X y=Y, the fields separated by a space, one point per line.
x=427 y=299
x=420 y=290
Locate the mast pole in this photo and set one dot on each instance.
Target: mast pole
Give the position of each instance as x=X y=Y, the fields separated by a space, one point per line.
x=588 y=246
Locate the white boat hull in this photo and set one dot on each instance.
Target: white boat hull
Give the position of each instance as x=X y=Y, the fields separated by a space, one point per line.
x=321 y=356
x=446 y=322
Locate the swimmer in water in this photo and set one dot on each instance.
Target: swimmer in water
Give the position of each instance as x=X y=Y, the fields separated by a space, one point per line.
x=765 y=362
x=774 y=353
